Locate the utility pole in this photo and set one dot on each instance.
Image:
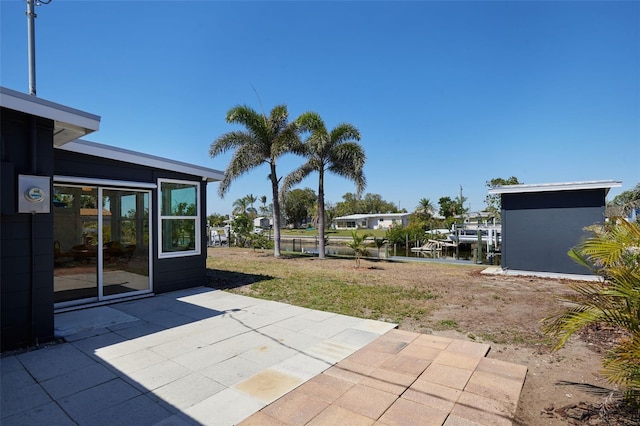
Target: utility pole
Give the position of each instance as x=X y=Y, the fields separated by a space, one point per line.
x=31 y=44
x=31 y=40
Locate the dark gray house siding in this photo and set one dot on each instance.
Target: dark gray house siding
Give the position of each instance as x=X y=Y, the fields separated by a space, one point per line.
x=169 y=274
x=40 y=138
x=539 y=228
x=26 y=240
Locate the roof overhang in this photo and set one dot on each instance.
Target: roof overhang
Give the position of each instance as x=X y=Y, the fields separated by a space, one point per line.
x=69 y=123
x=555 y=187
x=120 y=154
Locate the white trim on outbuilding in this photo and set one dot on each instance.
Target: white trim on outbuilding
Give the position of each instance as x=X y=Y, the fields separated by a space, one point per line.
x=553 y=187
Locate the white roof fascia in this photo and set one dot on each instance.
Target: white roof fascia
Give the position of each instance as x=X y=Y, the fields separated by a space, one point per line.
x=555 y=187
x=120 y=154
x=69 y=123
x=102 y=182
x=351 y=216
x=371 y=215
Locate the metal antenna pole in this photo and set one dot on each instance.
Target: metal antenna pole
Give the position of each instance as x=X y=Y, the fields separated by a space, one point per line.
x=31 y=41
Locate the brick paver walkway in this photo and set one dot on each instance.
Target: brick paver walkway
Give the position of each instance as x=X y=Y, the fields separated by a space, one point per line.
x=405 y=378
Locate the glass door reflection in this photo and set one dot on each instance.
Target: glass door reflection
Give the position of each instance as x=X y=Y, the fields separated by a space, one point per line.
x=116 y=221
x=125 y=235
x=75 y=235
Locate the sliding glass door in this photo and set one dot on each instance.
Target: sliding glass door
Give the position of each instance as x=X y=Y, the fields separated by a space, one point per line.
x=125 y=235
x=75 y=235
x=101 y=243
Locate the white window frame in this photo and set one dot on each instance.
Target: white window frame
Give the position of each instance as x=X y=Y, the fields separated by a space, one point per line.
x=198 y=237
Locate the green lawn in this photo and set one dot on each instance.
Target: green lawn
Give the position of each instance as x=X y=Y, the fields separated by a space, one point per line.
x=305 y=282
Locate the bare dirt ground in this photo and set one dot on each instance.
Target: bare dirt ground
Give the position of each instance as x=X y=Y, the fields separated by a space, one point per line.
x=562 y=387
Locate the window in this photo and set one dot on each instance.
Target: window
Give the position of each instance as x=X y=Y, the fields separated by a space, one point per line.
x=179 y=218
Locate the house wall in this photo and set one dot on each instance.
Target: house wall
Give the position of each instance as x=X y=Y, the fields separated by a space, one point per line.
x=351 y=224
x=384 y=222
x=26 y=240
x=538 y=229
x=168 y=274
x=371 y=222
x=388 y=222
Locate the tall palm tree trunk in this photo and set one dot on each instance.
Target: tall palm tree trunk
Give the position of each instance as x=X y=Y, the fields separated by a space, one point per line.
x=321 y=215
x=276 y=212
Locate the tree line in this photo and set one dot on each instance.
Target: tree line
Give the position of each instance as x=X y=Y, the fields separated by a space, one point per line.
x=265 y=138
x=300 y=207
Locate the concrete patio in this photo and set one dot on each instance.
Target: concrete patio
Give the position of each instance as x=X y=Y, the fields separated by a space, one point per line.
x=203 y=356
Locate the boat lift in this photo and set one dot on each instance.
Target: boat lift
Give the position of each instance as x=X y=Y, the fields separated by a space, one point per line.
x=483 y=235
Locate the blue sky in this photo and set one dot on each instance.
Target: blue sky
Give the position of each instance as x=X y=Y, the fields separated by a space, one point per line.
x=445 y=94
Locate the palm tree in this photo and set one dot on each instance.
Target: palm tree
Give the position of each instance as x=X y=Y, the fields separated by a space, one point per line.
x=335 y=151
x=358 y=246
x=425 y=207
x=614 y=254
x=251 y=199
x=379 y=243
x=240 y=206
x=264 y=141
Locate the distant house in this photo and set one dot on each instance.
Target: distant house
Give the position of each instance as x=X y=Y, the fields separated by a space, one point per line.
x=84 y=223
x=542 y=222
x=371 y=221
x=482 y=217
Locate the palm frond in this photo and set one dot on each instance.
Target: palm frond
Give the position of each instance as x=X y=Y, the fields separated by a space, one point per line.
x=242 y=161
x=228 y=141
x=296 y=176
x=278 y=119
x=614 y=253
x=564 y=325
x=311 y=122
x=344 y=132
x=580 y=259
x=253 y=121
x=622 y=364
x=348 y=161
x=287 y=140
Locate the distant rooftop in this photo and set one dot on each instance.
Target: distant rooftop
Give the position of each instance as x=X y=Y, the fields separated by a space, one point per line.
x=555 y=187
x=371 y=215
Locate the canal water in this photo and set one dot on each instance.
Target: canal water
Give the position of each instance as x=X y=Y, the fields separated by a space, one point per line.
x=307 y=245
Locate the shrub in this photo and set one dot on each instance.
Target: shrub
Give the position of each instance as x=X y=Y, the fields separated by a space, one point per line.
x=261 y=241
x=399 y=234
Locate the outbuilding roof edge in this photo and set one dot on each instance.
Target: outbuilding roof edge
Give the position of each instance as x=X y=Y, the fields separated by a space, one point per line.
x=557 y=186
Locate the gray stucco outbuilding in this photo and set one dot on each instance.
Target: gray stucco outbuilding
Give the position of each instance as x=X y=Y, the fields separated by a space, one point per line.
x=542 y=222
